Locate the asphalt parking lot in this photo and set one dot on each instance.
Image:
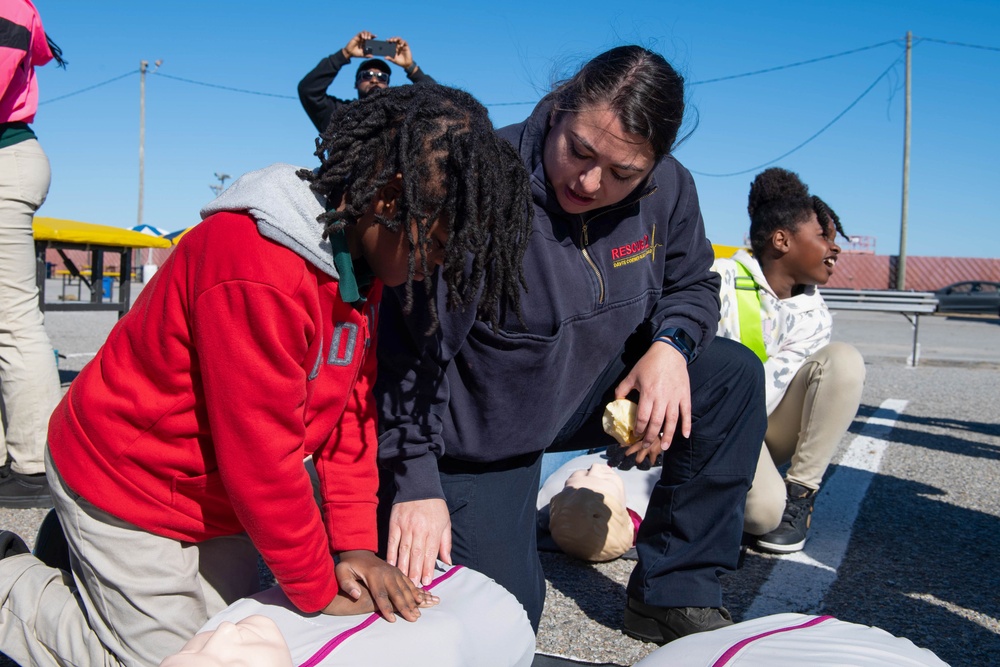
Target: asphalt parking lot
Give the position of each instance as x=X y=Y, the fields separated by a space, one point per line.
x=907 y=526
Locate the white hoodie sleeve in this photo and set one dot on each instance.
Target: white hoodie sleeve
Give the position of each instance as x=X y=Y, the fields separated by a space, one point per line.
x=804 y=326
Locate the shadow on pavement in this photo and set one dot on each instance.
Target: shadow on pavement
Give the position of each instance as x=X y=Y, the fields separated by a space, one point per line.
x=922 y=568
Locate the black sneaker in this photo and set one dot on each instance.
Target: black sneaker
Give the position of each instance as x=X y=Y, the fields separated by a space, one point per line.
x=19 y=491
x=11 y=544
x=661 y=625
x=790 y=535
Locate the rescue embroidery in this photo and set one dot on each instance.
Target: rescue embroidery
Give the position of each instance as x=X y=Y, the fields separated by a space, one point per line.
x=636 y=251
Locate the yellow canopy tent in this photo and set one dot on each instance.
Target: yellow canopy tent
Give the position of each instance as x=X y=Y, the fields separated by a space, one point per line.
x=97 y=240
x=725 y=251
x=89 y=234
x=175 y=237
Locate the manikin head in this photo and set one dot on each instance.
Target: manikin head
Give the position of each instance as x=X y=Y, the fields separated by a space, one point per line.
x=588 y=518
x=253 y=642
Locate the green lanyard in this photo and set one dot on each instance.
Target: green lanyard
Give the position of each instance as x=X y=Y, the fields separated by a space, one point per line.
x=748 y=303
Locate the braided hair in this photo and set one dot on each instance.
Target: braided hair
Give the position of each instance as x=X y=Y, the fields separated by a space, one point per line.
x=57 y=53
x=455 y=170
x=778 y=200
x=828 y=219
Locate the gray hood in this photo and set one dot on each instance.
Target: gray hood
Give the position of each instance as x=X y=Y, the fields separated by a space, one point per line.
x=285 y=210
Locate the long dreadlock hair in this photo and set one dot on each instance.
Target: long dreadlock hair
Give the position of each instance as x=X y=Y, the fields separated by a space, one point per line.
x=57 y=53
x=455 y=169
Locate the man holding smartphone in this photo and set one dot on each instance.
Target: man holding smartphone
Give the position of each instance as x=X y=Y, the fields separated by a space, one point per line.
x=371 y=74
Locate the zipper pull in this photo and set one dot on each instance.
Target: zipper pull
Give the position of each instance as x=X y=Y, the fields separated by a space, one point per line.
x=586 y=240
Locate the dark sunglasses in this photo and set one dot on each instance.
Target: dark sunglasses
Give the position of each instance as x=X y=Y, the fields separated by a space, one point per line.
x=369 y=74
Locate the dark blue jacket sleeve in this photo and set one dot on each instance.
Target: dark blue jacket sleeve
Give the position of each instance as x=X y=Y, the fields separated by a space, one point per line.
x=412 y=388
x=312 y=90
x=690 y=298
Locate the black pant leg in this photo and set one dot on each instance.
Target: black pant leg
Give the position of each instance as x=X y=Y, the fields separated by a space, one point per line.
x=692 y=527
x=493 y=524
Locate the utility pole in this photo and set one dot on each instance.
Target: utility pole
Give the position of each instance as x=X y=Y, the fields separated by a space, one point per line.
x=217 y=189
x=143 y=65
x=901 y=266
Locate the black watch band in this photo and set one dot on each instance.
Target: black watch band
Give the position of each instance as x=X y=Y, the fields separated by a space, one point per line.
x=678 y=339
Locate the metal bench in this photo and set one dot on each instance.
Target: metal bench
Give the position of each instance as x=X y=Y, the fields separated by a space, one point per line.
x=910 y=305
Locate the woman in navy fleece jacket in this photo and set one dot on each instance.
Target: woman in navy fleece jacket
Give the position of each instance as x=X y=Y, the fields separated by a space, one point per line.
x=620 y=300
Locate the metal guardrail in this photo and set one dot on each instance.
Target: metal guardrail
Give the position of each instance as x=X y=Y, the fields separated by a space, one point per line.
x=908 y=304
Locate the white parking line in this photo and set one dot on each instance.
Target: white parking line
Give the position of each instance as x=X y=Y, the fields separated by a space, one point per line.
x=799 y=581
x=976 y=616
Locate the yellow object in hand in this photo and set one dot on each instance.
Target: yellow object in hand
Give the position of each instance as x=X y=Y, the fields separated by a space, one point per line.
x=619 y=421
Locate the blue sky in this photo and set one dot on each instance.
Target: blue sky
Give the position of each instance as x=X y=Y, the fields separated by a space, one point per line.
x=511 y=52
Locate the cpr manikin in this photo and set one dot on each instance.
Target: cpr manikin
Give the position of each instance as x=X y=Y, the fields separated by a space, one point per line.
x=477 y=622
x=254 y=641
x=591 y=509
x=588 y=519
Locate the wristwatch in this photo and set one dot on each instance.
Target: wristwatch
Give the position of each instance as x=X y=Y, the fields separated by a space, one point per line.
x=679 y=340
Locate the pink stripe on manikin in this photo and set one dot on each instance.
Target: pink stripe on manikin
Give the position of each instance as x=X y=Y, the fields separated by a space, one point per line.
x=329 y=647
x=636 y=521
x=739 y=646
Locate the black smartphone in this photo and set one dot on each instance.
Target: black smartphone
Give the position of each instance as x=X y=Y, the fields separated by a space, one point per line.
x=376 y=47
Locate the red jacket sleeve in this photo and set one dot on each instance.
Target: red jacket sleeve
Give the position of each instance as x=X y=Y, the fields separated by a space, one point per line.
x=250 y=340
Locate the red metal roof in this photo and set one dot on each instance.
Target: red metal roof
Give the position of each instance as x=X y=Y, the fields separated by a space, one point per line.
x=924 y=274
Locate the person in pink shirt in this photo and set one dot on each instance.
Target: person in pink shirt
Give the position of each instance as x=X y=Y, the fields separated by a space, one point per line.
x=28 y=375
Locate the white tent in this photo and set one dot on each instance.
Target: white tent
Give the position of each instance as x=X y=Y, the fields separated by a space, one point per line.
x=149 y=229
x=148 y=269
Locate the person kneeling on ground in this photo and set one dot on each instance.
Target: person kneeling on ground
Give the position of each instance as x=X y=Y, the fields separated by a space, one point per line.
x=620 y=300
x=177 y=453
x=771 y=304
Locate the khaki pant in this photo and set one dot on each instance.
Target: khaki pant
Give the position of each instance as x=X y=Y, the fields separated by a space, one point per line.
x=806 y=427
x=133 y=598
x=29 y=379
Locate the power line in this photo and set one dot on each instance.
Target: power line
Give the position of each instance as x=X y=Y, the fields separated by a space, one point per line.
x=789 y=66
x=969 y=46
x=96 y=85
x=814 y=136
x=745 y=74
x=235 y=90
x=511 y=104
x=508 y=104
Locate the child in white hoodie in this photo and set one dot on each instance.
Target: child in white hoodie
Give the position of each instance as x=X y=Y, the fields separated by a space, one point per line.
x=771 y=304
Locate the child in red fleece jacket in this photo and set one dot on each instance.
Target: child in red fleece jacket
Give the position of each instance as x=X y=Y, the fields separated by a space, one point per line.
x=177 y=454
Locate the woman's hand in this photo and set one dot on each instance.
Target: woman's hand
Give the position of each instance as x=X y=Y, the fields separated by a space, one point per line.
x=367 y=584
x=661 y=378
x=419 y=531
